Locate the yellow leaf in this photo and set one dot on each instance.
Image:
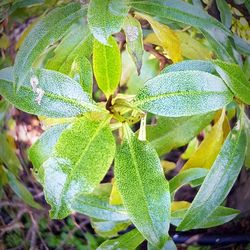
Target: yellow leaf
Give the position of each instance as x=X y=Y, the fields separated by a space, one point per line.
x=192 y=147
x=167 y=166
x=47 y=122
x=168 y=38
x=192 y=48
x=208 y=150
x=4 y=42
x=115 y=197
x=178 y=205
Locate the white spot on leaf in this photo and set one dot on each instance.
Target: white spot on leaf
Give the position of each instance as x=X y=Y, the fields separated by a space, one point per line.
x=34 y=82
x=132 y=33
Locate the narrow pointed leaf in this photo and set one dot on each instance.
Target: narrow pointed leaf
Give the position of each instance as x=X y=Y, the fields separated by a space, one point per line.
x=60 y=95
x=174 y=132
x=79 y=162
x=128 y=241
x=235 y=78
x=42 y=149
x=225 y=13
x=134 y=42
x=104 y=18
x=50 y=29
x=186 y=177
x=144 y=189
x=183 y=93
x=247 y=130
x=218 y=182
x=107 y=65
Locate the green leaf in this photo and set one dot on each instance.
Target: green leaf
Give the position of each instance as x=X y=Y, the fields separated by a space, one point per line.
x=247 y=130
x=96 y=205
x=8 y=156
x=218 y=181
x=219 y=216
x=80 y=160
x=4 y=107
x=179 y=11
x=60 y=96
x=242 y=45
x=78 y=42
x=200 y=65
x=82 y=72
x=174 y=132
x=42 y=149
x=128 y=241
x=225 y=13
x=108 y=229
x=235 y=79
x=183 y=93
x=104 y=18
x=186 y=177
x=143 y=188
x=21 y=191
x=50 y=29
x=170 y=245
x=134 y=41
x=107 y=65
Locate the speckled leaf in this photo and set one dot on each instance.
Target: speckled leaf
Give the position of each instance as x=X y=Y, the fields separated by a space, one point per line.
x=235 y=78
x=105 y=19
x=78 y=42
x=96 y=205
x=183 y=93
x=209 y=148
x=218 y=181
x=60 y=96
x=51 y=28
x=167 y=37
x=186 y=177
x=143 y=188
x=200 y=65
x=134 y=42
x=225 y=13
x=128 y=241
x=247 y=130
x=79 y=162
x=107 y=65
x=174 y=132
x=179 y=11
x=42 y=149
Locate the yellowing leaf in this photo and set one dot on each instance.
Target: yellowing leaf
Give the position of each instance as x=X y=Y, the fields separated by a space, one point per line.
x=178 y=205
x=168 y=38
x=115 y=197
x=167 y=166
x=192 y=147
x=4 y=42
x=210 y=146
x=191 y=48
x=48 y=122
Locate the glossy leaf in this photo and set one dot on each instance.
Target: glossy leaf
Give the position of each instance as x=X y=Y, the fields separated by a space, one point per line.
x=42 y=149
x=183 y=93
x=134 y=42
x=79 y=162
x=77 y=43
x=209 y=148
x=104 y=19
x=128 y=241
x=140 y=180
x=220 y=216
x=218 y=182
x=174 y=132
x=107 y=65
x=60 y=96
x=225 y=13
x=167 y=37
x=179 y=11
x=235 y=78
x=50 y=29
x=96 y=205
x=186 y=177
x=109 y=229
